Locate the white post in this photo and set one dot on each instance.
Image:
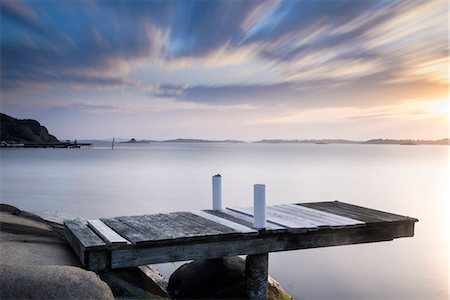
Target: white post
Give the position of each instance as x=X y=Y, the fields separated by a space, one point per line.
x=259 y=205
x=217 y=192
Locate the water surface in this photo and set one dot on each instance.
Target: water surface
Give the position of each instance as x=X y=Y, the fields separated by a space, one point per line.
x=165 y=177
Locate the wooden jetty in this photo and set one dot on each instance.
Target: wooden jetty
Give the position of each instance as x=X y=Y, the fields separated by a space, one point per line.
x=131 y=241
x=121 y=242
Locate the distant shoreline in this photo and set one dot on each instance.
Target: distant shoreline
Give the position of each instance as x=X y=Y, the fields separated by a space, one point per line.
x=406 y=142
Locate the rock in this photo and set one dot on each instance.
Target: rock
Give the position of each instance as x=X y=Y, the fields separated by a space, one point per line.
x=276 y=291
x=202 y=278
x=27 y=239
x=23 y=131
x=216 y=279
x=36 y=262
x=51 y=282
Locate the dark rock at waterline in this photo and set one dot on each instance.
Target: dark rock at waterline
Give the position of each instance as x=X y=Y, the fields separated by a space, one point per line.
x=222 y=278
x=202 y=278
x=13 y=130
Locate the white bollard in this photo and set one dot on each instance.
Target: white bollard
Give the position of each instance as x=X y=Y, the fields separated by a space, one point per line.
x=259 y=206
x=217 y=192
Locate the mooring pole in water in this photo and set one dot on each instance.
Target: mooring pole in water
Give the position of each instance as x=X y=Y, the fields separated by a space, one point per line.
x=257 y=265
x=217 y=192
x=112 y=145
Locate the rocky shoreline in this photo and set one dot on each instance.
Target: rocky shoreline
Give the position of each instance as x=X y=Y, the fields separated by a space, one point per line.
x=37 y=263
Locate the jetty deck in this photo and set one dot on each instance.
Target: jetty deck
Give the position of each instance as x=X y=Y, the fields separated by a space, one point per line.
x=129 y=241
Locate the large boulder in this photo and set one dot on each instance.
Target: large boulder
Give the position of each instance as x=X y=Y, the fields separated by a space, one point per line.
x=37 y=263
x=51 y=282
x=222 y=278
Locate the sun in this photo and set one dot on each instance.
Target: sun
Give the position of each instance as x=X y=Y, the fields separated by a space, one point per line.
x=438 y=107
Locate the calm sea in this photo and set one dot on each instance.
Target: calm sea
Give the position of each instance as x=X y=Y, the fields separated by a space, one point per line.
x=163 y=177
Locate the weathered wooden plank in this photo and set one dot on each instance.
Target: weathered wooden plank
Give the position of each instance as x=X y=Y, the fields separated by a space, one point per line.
x=175 y=225
x=370 y=216
x=150 y=229
x=292 y=224
x=134 y=256
x=88 y=239
x=357 y=212
x=205 y=222
x=236 y=227
x=181 y=226
x=321 y=218
x=76 y=245
x=163 y=228
x=367 y=212
x=106 y=233
x=335 y=218
x=128 y=232
x=383 y=215
x=300 y=217
x=166 y=228
x=204 y=226
x=320 y=222
x=245 y=219
x=324 y=206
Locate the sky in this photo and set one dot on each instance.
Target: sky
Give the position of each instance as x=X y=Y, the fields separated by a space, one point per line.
x=227 y=69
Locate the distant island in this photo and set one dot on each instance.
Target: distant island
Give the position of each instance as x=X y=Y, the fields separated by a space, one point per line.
x=372 y=141
x=179 y=140
x=309 y=141
x=134 y=141
x=408 y=142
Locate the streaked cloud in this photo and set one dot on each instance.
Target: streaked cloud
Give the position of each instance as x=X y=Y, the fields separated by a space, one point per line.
x=299 y=57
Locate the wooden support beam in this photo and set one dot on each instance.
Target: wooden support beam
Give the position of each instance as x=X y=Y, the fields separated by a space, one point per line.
x=256 y=276
x=136 y=256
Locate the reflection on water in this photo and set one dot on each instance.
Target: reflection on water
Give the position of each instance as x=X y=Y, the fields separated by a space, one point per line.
x=150 y=178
